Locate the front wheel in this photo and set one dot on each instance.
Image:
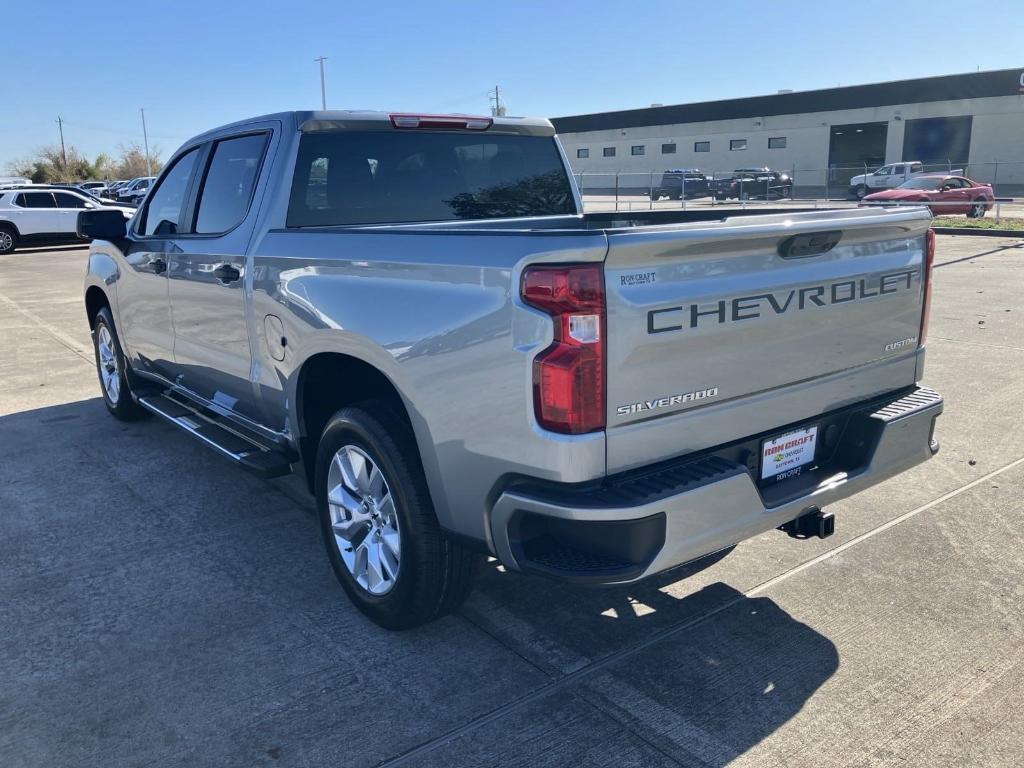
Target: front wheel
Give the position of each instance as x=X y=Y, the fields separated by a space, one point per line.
x=8 y=240
x=378 y=523
x=860 y=191
x=113 y=370
x=977 y=210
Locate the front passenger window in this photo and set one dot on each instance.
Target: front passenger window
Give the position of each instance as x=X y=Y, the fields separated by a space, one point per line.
x=164 y=206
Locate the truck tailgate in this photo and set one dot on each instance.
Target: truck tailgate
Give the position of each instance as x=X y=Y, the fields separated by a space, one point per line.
x=718 y=331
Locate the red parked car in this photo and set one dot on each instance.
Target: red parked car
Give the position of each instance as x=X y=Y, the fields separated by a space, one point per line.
x=943 y=193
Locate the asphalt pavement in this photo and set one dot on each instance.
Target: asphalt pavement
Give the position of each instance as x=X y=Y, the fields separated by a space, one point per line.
x=163 y=608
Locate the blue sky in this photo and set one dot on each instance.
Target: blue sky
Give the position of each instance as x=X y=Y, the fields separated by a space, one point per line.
x=195 y=65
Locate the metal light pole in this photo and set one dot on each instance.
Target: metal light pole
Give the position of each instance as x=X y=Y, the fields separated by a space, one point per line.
x=145 y=142
x=323 y=88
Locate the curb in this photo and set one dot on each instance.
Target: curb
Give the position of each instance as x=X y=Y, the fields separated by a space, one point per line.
x=979 y=232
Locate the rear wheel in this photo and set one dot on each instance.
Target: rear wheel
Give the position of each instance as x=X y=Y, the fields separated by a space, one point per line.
x=113 y=370
x=378 y=523
x=977 y=210
x=8 y=239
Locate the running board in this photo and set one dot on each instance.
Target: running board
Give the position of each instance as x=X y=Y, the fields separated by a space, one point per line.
x=246 y=452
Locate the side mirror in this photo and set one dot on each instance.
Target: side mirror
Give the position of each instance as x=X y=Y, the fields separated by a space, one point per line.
x=89 y=205
x=102 y=225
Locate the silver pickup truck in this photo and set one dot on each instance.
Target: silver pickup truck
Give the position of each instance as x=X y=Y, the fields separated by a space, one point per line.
x=413 y=312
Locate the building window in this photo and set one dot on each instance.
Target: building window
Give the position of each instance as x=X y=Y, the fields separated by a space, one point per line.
x=609 y=151
x=668 y=149
x=779 y=142
x=582 y=154
x=702 y=146
x=735 y=144
x=636 y=149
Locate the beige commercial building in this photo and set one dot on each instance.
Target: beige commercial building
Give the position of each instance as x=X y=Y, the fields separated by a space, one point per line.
x=973 y=121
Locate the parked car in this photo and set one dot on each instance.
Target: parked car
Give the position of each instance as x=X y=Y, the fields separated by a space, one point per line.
x=133 y=191
x=9 y=182
x=675 y=183
x=753 y=183
x=462 y=362
x=112 y=187
x=889 y=177
x=37 y=215
x=93 y=187
x=944 y=194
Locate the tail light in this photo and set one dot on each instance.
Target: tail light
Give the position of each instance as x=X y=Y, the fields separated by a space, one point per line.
x=568 y=376
x=926 y=305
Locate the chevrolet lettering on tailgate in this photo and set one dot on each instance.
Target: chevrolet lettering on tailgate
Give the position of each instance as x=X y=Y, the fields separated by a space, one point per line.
x=755 y=305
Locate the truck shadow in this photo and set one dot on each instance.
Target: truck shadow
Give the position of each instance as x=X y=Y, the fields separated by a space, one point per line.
x=95 y=513
x=704 y=673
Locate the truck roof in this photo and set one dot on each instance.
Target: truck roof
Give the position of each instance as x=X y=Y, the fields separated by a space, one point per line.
x=359 y=119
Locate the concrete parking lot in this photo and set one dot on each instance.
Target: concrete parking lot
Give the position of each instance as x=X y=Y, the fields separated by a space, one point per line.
x=160 y=607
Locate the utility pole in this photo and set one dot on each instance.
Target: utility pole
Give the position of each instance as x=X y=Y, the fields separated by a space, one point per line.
x=145 y=142
x=323 y=88
x=63 y=153
x=498 y=110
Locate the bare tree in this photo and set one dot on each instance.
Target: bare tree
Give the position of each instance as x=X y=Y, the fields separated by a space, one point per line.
x=132 y=161
x=48 y=166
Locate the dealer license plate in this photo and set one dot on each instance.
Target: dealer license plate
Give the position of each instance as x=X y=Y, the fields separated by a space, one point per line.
x=784 y=456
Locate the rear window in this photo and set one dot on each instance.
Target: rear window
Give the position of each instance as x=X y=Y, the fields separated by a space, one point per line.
x=375 y=177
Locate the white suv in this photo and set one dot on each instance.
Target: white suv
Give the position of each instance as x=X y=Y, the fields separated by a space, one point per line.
x=40 y=214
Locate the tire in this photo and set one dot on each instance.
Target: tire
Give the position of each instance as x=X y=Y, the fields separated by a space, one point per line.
x=113 y=371
x=860 y=191
x=977 y=209
x=372 y=500
x=8 y=239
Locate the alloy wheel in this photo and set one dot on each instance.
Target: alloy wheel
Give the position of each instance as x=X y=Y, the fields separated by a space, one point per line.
x=6 y=241
x=110 y=376
x=364 y=520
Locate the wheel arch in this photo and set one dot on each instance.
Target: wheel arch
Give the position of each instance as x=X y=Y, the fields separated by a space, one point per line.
x=327 y=381
x=95 y=300
x=8 y=224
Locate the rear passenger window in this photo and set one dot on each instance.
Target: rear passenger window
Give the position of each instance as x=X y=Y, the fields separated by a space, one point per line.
x=164 y=207
x=229 y=183
x=64 y=200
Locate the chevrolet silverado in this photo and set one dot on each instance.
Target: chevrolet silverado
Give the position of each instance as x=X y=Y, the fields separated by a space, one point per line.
x=415 y=314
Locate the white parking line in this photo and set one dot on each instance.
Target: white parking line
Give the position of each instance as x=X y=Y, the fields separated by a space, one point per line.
x=57 y=333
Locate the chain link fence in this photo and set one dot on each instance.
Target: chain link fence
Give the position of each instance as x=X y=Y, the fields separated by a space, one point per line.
x=632 y=190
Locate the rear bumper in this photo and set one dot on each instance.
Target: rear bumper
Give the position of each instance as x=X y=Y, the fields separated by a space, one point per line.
x=647 y=521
